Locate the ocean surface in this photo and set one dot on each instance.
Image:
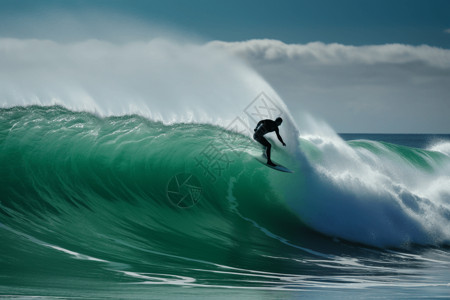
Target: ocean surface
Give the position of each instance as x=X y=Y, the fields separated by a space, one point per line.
x=121 y=206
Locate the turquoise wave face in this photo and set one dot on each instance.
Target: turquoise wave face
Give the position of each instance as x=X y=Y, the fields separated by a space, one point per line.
x=78 y=181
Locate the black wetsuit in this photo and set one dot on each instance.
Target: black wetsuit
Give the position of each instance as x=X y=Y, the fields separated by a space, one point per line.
x=263 y=127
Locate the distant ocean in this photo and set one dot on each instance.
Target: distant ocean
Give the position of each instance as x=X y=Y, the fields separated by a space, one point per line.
x=125 y=207
x=422 y=141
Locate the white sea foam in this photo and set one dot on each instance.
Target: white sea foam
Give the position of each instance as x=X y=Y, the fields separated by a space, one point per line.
x=376 y=197
x=441 y=146
x=161 y=79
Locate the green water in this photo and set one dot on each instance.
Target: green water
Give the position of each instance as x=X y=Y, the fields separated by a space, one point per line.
x=125 y=207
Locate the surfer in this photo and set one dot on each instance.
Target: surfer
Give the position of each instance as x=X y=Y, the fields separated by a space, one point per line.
x=266 y=126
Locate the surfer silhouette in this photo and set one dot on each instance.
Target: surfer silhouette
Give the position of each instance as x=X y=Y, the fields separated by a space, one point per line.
x=266 y=126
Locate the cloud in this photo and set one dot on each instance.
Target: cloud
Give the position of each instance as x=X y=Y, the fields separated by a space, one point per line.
x=447 y=31
x=375 y=88
x=335 y=54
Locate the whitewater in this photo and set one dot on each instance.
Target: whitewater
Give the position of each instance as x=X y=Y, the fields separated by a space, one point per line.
x=133 y=164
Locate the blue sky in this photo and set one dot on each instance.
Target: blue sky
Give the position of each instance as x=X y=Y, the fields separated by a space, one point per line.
x=352 y=22
x=360 y=65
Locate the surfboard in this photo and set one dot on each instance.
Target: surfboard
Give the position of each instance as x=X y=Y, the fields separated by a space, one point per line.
x=262 y=159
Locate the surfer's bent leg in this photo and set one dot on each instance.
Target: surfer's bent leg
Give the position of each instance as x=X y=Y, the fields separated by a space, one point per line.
x=262 y=140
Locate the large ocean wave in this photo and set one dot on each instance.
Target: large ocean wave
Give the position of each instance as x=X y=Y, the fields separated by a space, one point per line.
x=99 y=166
x=58 y=165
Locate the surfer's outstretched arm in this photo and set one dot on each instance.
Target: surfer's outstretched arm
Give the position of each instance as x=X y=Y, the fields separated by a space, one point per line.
x=279 y=137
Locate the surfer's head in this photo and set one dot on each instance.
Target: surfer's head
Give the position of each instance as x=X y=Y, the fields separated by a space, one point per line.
x=278 y=121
